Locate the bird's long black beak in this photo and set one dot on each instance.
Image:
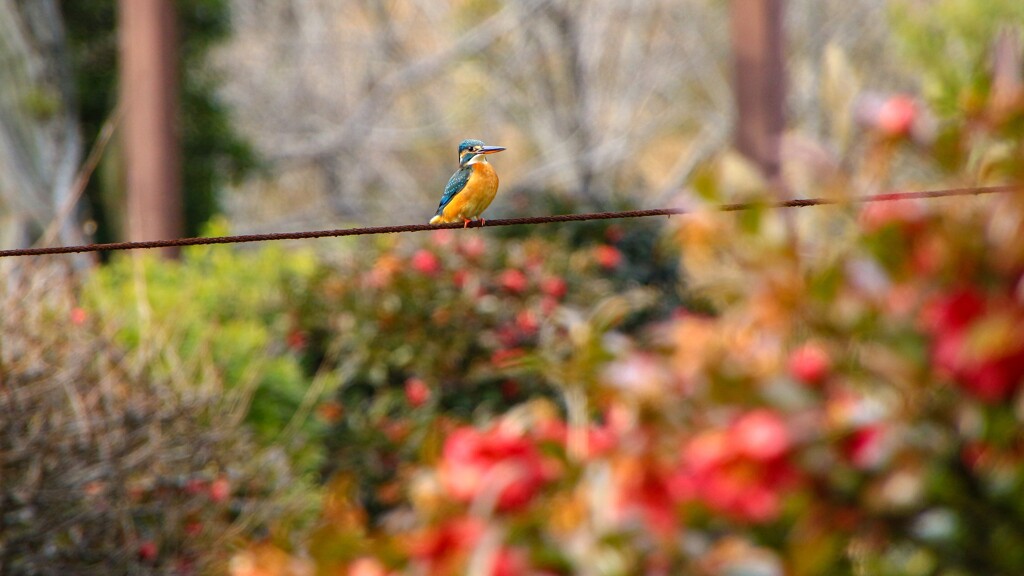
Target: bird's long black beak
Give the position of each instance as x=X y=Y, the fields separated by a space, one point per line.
x=491 y=149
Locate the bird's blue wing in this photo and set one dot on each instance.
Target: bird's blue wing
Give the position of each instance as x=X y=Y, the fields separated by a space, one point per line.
x=455 y=185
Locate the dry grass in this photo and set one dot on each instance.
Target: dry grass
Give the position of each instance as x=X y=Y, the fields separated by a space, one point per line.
x=99 y=459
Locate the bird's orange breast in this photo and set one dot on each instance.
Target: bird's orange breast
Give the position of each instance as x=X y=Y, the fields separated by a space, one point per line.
x=476 y=196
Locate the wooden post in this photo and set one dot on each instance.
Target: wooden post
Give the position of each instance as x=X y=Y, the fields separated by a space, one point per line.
x=760 y=82
x=149 y=94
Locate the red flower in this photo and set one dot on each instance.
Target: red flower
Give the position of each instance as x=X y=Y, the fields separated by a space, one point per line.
x=608 y=256
x=978 y=341
x=297 y=339
x=810 y=363
x=955 y=311
x=761 y=435
x=148 y=551
x=416 y=392
x=497 y=463
x=526 y=322
x=195 y=486
x=513 y=280
x=867 y=447
x=509 y=389
x=896 y=116
x=742 y=472
x=426 y=262
x=220 y=489
x=509 y=562
x=507 y=357
x=554 y=287
x=644 y=493
x=369 y=566
x=79 y=315
x=449 y=539
x=908 y=214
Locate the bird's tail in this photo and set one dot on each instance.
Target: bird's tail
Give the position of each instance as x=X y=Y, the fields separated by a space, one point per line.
x=436 y=219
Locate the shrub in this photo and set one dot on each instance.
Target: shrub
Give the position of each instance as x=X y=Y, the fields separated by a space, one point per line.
x=110 y=466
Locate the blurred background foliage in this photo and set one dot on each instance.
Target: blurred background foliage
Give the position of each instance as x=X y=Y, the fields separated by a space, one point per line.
x=831 y=392
x=214 y=153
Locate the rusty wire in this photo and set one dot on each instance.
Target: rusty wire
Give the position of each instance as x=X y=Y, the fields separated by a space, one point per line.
x=530 y=220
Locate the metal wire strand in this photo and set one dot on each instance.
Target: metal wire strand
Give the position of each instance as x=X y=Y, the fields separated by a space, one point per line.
x=735 y=207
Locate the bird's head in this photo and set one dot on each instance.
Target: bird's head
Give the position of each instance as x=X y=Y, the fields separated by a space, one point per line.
x=472 y=150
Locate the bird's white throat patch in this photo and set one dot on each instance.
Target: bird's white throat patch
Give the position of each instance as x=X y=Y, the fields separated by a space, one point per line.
x=479 y=158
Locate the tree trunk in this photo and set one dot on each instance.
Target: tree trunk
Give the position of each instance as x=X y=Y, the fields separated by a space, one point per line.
x=149 y=93
x=760 y=83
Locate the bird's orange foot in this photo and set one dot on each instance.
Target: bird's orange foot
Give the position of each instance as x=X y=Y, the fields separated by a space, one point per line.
x=465 y=222
x=483 y=221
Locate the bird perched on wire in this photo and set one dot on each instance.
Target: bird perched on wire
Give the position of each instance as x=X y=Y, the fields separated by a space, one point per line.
x=472 y=187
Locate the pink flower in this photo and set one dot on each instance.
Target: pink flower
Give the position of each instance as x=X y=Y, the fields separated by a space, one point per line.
x=442 y=238
x=473 y=247
x=416 y=392
x=426 y=262
x=810 y=364
x=495 y=463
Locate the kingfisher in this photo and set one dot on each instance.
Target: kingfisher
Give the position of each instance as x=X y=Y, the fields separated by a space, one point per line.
x=472 y=187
